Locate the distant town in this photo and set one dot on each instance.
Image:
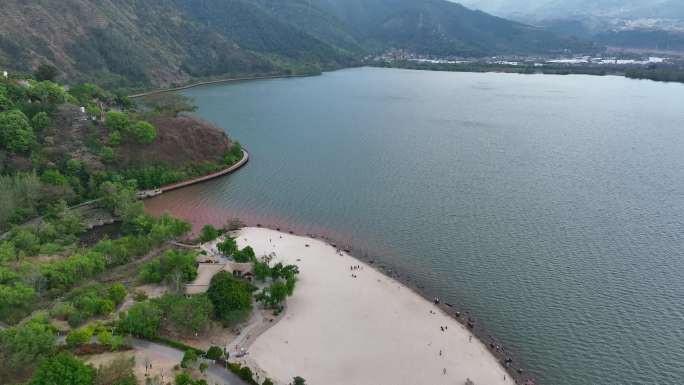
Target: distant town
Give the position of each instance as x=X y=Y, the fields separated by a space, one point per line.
x=612 y=59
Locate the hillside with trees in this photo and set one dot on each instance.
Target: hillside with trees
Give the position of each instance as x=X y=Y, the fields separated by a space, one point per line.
x=76 y=243
x=169 y=42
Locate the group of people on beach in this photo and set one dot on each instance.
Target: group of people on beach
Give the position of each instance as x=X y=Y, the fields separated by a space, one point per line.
x=354 y=268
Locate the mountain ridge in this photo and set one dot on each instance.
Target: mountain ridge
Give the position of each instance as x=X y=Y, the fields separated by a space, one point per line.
x=170 y=42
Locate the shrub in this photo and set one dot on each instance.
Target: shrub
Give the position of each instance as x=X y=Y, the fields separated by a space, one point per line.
x=45 y=72
x=208 y=233
x=142 y=319
x=115 y=138
x=189 y=358
x=246 y=374
x=40 y=121
x=105 y=337
x=214 y=353
x=172 y=264
x=119 y=371
x=63 y=310
x=79 y=337
x=244 y=255
x=107 y=154
x=117 y=293
x=228 y=247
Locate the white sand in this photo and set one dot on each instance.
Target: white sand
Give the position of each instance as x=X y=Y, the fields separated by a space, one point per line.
x=369 y=330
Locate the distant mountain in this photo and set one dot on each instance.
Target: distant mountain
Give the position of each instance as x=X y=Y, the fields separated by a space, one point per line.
x=440 y=27
x=163 y=42
x=642 y=24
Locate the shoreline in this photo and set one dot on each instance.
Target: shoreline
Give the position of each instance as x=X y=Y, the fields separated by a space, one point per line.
x=209 y=82
x=518 y=369
x=492 y=348
x=145 y=194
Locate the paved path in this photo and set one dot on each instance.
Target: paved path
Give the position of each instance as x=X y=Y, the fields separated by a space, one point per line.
x=216 y=374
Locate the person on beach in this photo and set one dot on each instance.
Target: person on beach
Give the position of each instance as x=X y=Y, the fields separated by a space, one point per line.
x=470 y=338
x=444 y=372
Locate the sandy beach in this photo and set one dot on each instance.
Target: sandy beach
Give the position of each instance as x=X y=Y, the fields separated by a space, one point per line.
x=362 y=330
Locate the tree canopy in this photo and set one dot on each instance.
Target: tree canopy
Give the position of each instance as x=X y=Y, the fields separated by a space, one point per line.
x=64 y=369
x=16 y=133
x=232 y=298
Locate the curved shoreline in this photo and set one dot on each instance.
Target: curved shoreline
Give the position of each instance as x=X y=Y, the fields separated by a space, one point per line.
x=144 y=194
x=209 y=82
x=365 y=311
x=517 y=369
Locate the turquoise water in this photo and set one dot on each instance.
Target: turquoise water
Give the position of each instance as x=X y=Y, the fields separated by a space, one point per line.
x=550 y=207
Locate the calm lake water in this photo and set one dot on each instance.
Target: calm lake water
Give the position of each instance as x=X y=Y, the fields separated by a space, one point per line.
x=551 y=207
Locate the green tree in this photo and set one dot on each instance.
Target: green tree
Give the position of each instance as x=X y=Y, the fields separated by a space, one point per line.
x=105 y=337
x=143 y=319
x=53 y=177
x=64 y=369
x=45 y=72
x=48 y=93
x=268 y=381
x=214 y=353
x=117 y=121
x=107 y=154
x=22 y=347
x=191 y=315
x=93 y=110
x=16 y=133
x=232 y=299
x=15 y=301
x=87 y=92
x=298 y=381
x=5 y=102
x=143 y=132
x=261 y=270
x=208 y=233
x=245 y=255
x=228 y=247
x=40 y=121
x=246 y=374
x=273 y=295
x=117 y=293
x=175 y=267
x=115 y=138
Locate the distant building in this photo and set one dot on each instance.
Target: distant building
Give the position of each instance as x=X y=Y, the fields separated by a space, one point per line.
x=5 y=74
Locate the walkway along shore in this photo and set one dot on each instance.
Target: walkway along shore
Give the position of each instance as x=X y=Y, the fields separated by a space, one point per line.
x=144 y=194
x=204 y=83
x=174 y=186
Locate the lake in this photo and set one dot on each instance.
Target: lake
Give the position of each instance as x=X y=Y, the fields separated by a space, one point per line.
x=550 y=207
